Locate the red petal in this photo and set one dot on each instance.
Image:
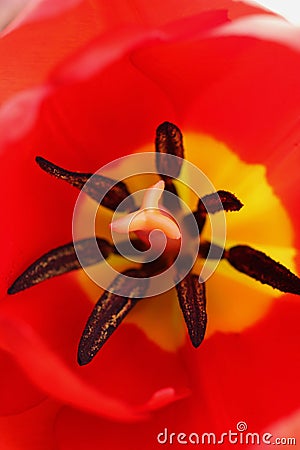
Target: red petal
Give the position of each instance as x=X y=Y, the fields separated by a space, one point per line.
x=35 y=10
x=243 y=90
x=289 y=427
x=9 y=10
x=44 y=43
x=158 y=13
x=223 y=86
x=31 y=430
x=12 y=380
x=43 y=337
x=237 y=378
x=74 y=27
x=252 y=366
x=50 y=374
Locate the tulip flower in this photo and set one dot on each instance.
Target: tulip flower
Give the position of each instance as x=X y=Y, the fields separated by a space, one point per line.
x=89 y=84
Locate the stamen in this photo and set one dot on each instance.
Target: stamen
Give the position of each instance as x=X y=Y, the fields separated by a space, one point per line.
x=168 y=142
x=261 y=267
x=213 y=203
x=149 y=217
x=59 y=261
x=116 y=191
x=192 y=300
x=109 y=312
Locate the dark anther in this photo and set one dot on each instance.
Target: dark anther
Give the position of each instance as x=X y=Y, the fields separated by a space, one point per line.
x=213 y=203
x=168 y=142
x=217 y=201
x=61 y=260
x=109 y=312
x=261 y=267
x=192 y=300
x=95 y=188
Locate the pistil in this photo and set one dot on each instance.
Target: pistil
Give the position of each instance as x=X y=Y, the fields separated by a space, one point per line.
x=149 y=217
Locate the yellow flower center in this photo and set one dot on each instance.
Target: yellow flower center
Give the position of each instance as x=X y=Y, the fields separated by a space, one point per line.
x=234 y=301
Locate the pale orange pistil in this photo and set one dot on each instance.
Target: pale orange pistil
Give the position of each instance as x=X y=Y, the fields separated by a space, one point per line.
x=151 y=223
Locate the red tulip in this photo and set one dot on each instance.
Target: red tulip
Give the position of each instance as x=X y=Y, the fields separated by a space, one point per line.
x=91 y=83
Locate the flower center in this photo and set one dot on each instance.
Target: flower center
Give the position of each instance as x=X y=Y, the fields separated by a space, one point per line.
x=152 y=224
x=235 y=301
x=173 y=267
